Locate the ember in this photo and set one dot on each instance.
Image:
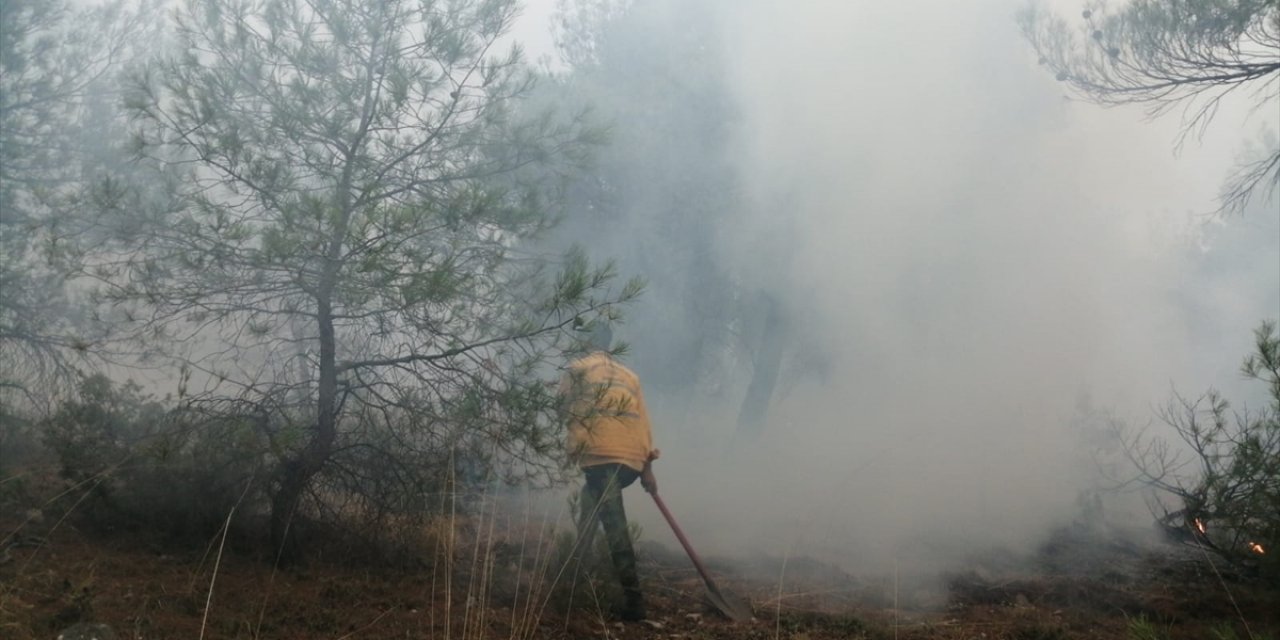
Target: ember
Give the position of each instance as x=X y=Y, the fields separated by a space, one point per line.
x=1257 y=548
x=1199 y=525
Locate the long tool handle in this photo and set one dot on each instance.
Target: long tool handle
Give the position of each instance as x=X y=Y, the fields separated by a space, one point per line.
x=697 y=562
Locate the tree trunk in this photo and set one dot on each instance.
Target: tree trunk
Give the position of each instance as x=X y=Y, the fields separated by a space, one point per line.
x=296 y=474
x=284 y=504
x=767 y=362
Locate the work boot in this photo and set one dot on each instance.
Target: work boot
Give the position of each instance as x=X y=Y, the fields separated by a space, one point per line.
x=633 y=610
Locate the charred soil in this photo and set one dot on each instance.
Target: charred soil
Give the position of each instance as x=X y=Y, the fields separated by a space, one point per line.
x=56 y=573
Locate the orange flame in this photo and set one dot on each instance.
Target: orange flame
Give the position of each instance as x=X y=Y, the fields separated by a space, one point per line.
x=1257 y=548
x=1199 y=526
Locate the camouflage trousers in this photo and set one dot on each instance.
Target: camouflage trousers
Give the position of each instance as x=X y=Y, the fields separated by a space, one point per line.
x=601 y=504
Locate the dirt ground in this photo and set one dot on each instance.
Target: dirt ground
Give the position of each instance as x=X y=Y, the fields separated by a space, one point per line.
x=54 y=574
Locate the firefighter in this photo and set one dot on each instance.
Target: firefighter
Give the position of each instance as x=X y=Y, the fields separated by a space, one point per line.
x=609 y=438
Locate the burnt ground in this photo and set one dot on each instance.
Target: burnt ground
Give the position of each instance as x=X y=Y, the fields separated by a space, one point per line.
x=54 y=573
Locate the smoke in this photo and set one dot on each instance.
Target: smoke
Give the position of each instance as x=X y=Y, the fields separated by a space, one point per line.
x=971 y=253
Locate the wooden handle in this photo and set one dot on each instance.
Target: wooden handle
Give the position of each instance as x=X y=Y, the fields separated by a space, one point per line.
x=684 y=542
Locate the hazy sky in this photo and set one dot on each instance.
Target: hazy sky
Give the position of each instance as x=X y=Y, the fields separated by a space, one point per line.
x=533 y=29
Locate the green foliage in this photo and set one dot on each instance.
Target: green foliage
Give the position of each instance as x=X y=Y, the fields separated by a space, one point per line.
x=1227 y=631
x=94 y=433
x=19 y=442
x=1143 y=628
x=1185 y=55
x=145 y=464
x=1230 y=502
x=58 y=63
x=347 y=253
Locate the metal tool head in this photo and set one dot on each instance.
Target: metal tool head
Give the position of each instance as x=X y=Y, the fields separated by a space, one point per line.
x=729 y=604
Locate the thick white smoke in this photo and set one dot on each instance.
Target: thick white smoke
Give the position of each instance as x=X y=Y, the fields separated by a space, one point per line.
x=973 y=253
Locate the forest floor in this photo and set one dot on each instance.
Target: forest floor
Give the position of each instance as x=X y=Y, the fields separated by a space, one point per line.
x=55 y=573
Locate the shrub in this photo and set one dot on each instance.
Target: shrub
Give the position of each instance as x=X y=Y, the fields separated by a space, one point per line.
x=178 y=471
x=1226 y=479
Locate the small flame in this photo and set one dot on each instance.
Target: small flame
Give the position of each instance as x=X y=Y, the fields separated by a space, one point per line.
x=1257 y=548
x=1200 y=526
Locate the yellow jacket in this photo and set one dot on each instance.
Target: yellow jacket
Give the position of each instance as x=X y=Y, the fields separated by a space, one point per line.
x=608 y=421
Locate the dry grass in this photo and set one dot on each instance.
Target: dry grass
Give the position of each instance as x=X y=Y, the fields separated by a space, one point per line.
x=498 y=571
